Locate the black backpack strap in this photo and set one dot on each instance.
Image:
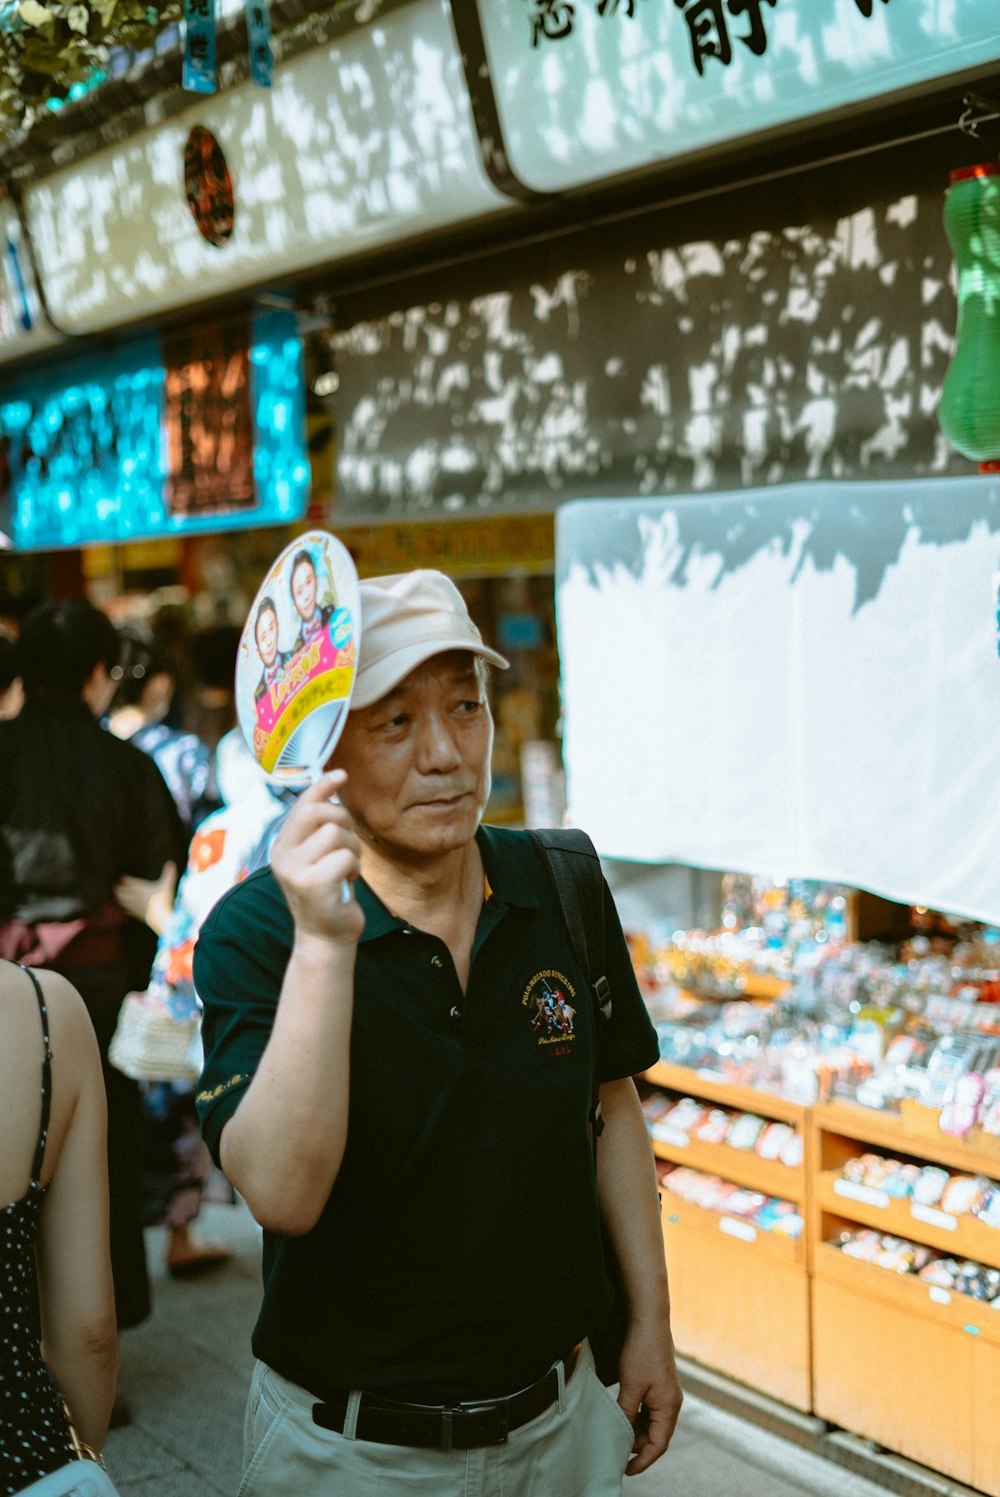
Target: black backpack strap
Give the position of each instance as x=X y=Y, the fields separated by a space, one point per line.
x=575 y=871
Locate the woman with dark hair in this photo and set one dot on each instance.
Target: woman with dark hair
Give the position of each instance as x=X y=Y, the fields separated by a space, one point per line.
x=79 y=810
x=177 y=1171
x=147 y=684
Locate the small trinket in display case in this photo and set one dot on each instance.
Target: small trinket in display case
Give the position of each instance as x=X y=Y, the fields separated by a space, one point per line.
x=744 y=1131
x=977 y=1281
x=953 y=1056
x=942 y=1273
x=964 y=1194
x=655 y=1107
x=685 y=1114
x=929 y=1185
x=715 y=1126
x=864 y=1245
x=900 y=1179
x=989 y=1110
x=988 y=1211
x=898 y=1255
x=774 y=1138
x=745 y=1202
x=782 y=1217
x=961 y=1104
x=793 y=1151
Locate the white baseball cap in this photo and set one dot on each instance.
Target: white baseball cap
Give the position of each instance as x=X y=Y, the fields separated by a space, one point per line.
x=406 y=619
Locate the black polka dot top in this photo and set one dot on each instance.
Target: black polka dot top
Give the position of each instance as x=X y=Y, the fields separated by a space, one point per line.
x=33 y=1434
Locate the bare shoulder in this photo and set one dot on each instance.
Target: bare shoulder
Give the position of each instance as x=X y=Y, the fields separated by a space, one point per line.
x=71 y=1032
x=76 y=1071
x=70 y=1028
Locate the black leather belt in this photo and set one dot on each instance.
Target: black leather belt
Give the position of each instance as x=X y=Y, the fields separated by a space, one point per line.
x=464 y=1426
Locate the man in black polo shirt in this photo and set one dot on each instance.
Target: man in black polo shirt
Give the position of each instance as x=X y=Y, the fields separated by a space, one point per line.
x=399 y=1084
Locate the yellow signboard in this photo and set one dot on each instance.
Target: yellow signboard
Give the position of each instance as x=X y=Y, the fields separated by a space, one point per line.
x=489 y=547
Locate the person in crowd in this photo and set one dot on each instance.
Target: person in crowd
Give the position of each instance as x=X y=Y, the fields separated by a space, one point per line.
x=79 y=809
x=266 y=638
x=180 y=1174
x=11 y=690
x=211 y=710
x=146 y=688
x=304 y=588
x=374 y=1088
x=55 y=1265
x=174 y=1176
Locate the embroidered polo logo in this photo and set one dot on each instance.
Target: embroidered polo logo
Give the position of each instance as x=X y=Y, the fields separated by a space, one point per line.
x=548 y=998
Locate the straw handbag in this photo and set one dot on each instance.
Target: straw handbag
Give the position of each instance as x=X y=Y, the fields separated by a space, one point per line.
x=151 y=1044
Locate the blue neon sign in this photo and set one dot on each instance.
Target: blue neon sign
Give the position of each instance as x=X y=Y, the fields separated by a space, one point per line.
x=199 y=432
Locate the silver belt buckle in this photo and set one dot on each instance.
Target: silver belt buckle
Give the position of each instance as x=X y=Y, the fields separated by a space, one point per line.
x=500 y=1406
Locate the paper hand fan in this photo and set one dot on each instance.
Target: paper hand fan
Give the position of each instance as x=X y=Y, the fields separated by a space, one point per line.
x=297 y=659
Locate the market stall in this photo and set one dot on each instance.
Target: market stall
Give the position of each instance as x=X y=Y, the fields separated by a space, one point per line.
x=800 y=685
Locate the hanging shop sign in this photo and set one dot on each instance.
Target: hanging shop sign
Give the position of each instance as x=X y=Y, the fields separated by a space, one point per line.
x=199 y=46
x=23 y=329
x=587 y=89
x=801 y=680
x=202 y=430
x=359 y=143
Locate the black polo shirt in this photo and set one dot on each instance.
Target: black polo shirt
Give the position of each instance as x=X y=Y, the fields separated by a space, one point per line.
x=459 y=1253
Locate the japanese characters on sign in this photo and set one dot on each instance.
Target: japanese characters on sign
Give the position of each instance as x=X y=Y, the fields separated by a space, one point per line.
x=199 y=46
x=710 y=23
x=259 y=42
x=585 y=90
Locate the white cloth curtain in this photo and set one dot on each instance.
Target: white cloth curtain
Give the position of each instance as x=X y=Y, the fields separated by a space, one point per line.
x=792 y=681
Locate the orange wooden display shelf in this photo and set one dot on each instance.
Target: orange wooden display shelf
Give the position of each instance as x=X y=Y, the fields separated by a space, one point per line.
x=896 y=1134
x=742 y=1166
x=739 y=1303
x=918 y=1375
x=967 y=1238
x=756 y=986
x=908 y=1293
x=895 y=1359
x=714 y=1088
x=740 y=1295
x=678 y=1212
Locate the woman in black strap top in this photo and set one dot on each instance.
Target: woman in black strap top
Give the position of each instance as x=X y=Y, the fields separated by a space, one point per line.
x=53 y=1214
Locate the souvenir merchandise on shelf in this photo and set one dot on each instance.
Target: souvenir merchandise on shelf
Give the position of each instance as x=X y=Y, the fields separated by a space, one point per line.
x=769 y=933
x=779 y=999
x=712 y=1193
x=897 y=1255
x=930 y=1189
x=825 y=1117
x=774 y=1048
x=673 y=1121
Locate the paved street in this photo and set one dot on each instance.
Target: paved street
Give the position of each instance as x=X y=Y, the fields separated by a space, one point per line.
x=185 y=1373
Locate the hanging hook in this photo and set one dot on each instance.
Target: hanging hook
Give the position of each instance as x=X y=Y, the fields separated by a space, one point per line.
x=977 y=111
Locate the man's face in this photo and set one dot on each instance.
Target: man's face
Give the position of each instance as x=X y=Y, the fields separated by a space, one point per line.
x=304 y=590
x=418 y=761
x=267 y=637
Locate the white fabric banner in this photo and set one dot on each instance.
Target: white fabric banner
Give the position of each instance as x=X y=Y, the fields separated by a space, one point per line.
x=794 y=681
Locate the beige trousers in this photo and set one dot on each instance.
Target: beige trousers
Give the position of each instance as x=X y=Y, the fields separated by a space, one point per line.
x=579 y=1447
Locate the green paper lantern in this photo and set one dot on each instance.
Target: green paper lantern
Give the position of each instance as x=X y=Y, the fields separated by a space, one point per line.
x=969 y=413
